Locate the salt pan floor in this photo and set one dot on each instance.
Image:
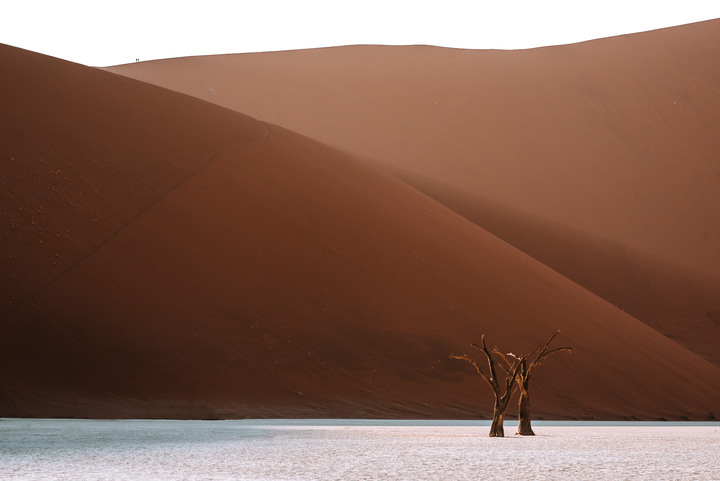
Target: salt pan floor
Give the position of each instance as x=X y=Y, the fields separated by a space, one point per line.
x=32 y=449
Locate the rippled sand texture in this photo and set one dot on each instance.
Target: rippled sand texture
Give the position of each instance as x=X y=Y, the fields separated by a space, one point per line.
x=248 y=450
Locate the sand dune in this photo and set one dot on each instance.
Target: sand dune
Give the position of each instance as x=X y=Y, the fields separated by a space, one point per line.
x=84 y=154
x=676 y=300
x=612 y=142
x=197 y=262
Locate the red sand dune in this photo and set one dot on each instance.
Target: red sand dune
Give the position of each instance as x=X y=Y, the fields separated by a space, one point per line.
x=166 y=257
x=599 y=159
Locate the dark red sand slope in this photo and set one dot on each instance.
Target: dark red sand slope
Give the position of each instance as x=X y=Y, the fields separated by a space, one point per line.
x=600 y=159
x=165 y=257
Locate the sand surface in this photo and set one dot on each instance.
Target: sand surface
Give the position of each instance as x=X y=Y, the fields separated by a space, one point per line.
x=166 y=257
x=599 y=159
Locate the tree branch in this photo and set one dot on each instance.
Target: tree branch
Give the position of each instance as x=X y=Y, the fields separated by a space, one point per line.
x=544 y=348
x=544 y=353
x=508 y=365
x=472 y=361
x=490 y=360
x=510 y=379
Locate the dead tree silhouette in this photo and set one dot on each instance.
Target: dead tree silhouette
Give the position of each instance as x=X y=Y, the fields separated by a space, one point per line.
x=523 y=379
x=502 y=397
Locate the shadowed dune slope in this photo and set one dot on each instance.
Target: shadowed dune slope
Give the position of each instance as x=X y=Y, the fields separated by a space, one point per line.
x=613 y=141
x=678 y=301
x=84 y=154
x=211 y=265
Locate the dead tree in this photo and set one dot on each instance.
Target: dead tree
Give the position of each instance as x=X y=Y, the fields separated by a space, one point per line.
x=523 y=380
x=502 y=398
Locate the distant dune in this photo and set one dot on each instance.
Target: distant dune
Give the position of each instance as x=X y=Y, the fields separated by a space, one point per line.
x=599 y=159
x=167 y=257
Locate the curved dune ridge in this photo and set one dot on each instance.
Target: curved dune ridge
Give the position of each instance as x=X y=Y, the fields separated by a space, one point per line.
x=599 y=159
x=166 y=257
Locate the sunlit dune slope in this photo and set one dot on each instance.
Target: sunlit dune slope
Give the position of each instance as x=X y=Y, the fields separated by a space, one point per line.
x=614 y=141
x=165 y=257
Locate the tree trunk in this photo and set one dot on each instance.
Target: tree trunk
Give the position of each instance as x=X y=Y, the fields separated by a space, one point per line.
x=501 y=399
x=496 y=428
x=524 y=424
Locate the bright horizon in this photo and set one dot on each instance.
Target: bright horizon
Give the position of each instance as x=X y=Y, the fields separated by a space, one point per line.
x=110 y=33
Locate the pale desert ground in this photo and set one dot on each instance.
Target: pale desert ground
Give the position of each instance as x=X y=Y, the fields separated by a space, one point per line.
x=342 y=449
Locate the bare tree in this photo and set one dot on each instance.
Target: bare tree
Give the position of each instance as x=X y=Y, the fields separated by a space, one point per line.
x=523 y=379
x=502 y=397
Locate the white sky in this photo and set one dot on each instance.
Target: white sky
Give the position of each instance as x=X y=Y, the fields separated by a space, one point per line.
x=109 y=32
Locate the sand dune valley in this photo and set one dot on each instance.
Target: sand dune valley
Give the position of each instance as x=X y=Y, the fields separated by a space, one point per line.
x=310 y=234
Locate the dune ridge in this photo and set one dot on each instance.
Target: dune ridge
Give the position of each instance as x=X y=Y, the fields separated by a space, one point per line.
x=228 y=267
x=57 y=191
x=613 y=141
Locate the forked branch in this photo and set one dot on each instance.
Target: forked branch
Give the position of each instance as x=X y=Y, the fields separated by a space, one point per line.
x=544 y=353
